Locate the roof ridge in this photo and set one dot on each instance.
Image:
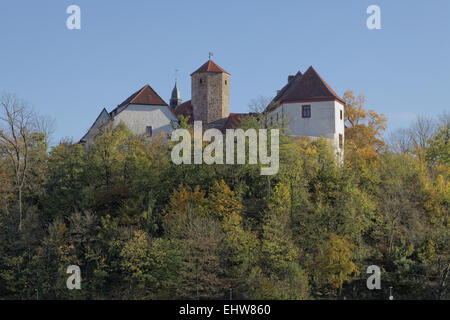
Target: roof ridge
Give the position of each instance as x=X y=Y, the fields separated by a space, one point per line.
x=288 y=86
x=138 y=93
x=326 y=84
x=210 y=66
x=310 y=86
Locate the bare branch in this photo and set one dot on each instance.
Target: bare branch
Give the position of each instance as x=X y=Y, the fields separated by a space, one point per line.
x=18 y=125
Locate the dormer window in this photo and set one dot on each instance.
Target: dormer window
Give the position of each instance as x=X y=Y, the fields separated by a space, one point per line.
x=306 y=111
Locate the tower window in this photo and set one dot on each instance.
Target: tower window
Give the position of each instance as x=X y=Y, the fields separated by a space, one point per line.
x=226 y=82
x=341 y=142
x=149 y=131
x=306 y=111
x=341 y=114
x=201 y=81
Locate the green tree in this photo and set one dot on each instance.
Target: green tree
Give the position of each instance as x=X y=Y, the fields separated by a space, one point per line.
x=439 y=149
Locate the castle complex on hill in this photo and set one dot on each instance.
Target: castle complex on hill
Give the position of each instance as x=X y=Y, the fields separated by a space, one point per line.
x=306 y=103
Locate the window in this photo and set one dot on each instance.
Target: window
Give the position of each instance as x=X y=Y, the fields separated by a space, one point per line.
x=277 y=117
x=341 y=142
x=341 y=114
x=226 y=82
x=306 y=111
x=149 y=131
x=201 y=81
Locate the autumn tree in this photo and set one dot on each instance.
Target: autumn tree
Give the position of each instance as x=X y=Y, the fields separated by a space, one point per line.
x=183 y=201
x=336 y=262
x=363 y=128
x=136 y=263
x=223 y=200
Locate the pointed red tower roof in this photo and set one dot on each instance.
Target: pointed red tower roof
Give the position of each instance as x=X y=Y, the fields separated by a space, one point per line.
x=209 y=66
x=310 y=86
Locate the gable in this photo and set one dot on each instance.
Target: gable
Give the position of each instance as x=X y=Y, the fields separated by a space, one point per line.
x=309 y=87
x=146 y=96
x=209 y=66
x=102 y=118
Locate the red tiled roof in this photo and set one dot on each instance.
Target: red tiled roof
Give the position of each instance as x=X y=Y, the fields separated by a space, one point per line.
x=234 y=119
x=209 y=66
x=146 y=96
x=310 y=86
x=185 y=109
x=287 y=86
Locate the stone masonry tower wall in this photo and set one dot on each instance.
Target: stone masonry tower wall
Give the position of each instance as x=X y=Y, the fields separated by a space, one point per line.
x=210 y=96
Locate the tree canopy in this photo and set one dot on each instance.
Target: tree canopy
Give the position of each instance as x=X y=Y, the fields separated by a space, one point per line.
x=141 y=227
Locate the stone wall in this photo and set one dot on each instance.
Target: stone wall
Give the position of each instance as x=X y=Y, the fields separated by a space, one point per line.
x=210 y=96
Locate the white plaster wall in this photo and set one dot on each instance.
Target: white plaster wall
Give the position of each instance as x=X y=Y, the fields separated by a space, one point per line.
x=138 y=117
x=325 y=121
x=321 y=123
x=340 y=128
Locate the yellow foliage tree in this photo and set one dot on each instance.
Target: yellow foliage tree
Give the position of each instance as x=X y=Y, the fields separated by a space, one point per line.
x=335 y=265
x=363 y=128
x=223 y=201
x=182 y=203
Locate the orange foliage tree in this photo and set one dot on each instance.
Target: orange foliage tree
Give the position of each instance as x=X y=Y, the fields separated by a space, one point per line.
x=363 y=128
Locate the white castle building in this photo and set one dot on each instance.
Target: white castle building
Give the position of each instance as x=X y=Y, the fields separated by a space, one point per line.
x=306 y=103
x=311 y=108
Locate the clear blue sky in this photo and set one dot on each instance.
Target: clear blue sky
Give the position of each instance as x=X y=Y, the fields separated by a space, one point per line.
x=403 y=69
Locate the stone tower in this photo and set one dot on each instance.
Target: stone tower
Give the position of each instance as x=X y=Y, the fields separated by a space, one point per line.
x=175 y=99
x=210 y=86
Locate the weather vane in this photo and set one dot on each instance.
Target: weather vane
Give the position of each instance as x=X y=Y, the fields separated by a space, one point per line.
x=210 y=54
x=176 y=74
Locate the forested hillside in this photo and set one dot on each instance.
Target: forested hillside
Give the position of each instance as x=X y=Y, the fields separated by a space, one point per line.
x=141 y=227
